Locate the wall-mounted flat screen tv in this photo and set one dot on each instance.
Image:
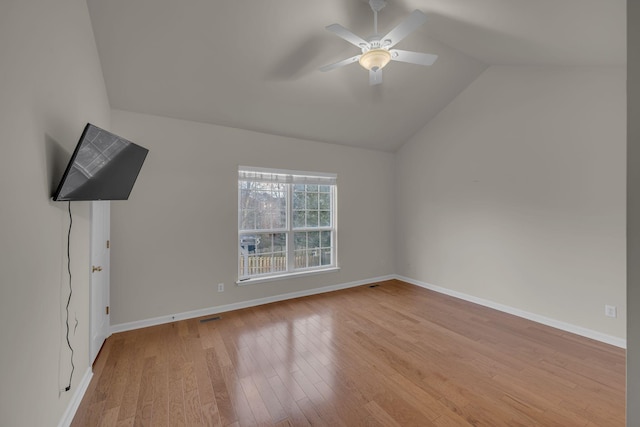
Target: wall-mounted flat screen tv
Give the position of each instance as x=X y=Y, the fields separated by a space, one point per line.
x=103 y=166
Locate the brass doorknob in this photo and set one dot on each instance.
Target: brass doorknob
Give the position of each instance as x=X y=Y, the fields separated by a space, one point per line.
x=94 y=269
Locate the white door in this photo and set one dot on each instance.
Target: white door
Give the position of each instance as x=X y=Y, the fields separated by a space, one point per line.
x=100 y=230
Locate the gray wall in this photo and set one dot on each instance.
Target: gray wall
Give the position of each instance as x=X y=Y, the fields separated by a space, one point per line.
x=175 y=239
x=515 y=194
x=50 y=84
x=548 y=239
x=633 y=216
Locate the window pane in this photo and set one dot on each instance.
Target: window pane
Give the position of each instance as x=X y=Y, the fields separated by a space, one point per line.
x=312 y=218
x=312 y=188
x=280 y=220
x=264 y=264
x=307 y=249
x=325 y=258
x=300 y=240
x=299 y=219
x=325 y=239
x=248 y=243
x=324 y=188
x=248 y=220
x=325 y=218
x=268 y=243
x=300 y=259
x=245 y=198
x=280 y=242
x=263 y=220
x=298 y=200
x=262 y=205
x=313 y=258
x=313 y=239
x=312 y=200
x=264 y=245
x=324 y=201
x=263 y=253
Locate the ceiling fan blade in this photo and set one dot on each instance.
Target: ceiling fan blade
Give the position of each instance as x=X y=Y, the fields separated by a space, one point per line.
x=413 y=57
x=406 y=27
x=340 y=63
x=375 y=77
x=342 y=32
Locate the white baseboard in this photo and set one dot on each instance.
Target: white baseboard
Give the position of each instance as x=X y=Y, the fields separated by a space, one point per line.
x=578 y=330
x=67 y=418
x=567 y=327
x=239 y=305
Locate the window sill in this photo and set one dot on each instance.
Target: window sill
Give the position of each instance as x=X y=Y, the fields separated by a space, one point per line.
x=285 y=276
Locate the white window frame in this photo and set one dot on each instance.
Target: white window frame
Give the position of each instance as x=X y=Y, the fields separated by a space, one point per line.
x=289 y=178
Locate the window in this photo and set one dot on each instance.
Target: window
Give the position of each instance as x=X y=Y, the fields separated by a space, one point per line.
x=286 y=222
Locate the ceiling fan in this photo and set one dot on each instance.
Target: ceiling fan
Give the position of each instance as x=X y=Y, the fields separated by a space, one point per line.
x=376 y=49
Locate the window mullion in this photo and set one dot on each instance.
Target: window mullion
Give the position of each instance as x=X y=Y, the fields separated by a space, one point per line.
x=290 y=251
x=265 y=230
x=334 y=226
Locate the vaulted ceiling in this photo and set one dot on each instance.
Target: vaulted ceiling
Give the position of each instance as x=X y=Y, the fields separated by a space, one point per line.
x=253 y=64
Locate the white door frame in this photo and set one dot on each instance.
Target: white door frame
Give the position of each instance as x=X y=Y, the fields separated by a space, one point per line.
x=99 y=324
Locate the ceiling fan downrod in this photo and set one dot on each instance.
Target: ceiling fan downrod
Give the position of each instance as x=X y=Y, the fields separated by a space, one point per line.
x=376 y=6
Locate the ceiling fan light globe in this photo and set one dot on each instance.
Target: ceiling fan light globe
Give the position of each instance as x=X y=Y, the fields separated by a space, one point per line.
x=375 y=59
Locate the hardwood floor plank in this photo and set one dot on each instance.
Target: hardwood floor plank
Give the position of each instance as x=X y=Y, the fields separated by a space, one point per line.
x=143 y=415
x=310 y=390
x=348 y=409
x=130 y=398
x=176 y=403
x=285 y=423
x=109 y=417
x=220 y=348
x=257 y=405
x=95 y=413
x=310 y=413
x=450 y=420
x=160 y=408
x=391 y=355
x=119 y=382
x=281 y=391
x=192 y=407
x=190 y=382
x=268 y=396
x=125 y=423
x=245 y=415
x=220 y=391
x=145 y=394
x=201 y=371
x=210 y=415
x=381 y=415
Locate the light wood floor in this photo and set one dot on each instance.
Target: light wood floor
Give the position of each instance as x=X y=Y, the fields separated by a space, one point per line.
x=391 y=355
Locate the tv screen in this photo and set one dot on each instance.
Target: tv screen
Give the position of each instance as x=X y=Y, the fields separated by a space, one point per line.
x=103 y=166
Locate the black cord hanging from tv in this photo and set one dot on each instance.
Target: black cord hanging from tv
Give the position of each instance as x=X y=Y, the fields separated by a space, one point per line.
x=68 y=387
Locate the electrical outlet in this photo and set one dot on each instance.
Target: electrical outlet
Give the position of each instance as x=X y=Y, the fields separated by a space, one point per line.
x=220 y=287
x=610 y=311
